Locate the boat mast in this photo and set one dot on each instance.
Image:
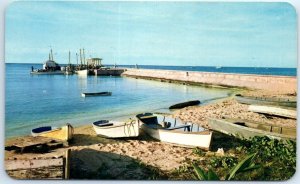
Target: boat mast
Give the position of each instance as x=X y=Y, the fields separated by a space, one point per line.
x=51 y=55
x=83 y=56
x=80 y=57
x=77 y=58
x=69 y=58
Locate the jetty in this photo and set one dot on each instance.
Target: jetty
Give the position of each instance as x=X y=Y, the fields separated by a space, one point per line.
x=284 y=84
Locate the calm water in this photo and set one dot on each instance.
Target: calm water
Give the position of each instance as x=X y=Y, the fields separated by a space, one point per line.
x=39 y=100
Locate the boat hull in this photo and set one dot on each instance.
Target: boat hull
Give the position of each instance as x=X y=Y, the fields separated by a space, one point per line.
x=96 y=94
x=276 y=111
x=185 y=139
x=48 y=73
x=265 y=101
x=238 y=129
x=184 y=104
x=173 y=135
x=64 y=133
x=118 y=129
x=82 y=72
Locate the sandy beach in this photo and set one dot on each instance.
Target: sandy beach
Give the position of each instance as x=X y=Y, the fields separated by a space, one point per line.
x=138 y=158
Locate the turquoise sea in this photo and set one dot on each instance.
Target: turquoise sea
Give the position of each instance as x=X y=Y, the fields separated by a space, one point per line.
x=39 y=100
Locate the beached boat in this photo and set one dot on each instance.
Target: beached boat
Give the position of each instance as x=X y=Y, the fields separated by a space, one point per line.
x=246 y=129
x=266 y=101
x=115 y=129
x=63 y=133
x=96 y=94
x=274 y=111
x=182 y=135
x=184 y=104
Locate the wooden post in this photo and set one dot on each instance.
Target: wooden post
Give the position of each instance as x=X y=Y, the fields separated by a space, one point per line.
x=67 y=164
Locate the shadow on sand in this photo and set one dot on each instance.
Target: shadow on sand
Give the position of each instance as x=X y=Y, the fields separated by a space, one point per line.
x=85 y=139
x=224 y=141
x=93 y=164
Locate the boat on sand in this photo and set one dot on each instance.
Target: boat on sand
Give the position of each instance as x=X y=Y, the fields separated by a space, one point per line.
x=274 y=111
x=245 y=129
x=183 y=135
x=63 y=133
x=251 y=100
x=184 y=104
x=96 y=94
x=116 y=129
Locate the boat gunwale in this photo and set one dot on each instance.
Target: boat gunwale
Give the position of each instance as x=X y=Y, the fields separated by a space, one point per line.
x=270 y=134
x=267 y=99
x=114 y=126
x=204 y=132
x=208 y=133
x=53 y=130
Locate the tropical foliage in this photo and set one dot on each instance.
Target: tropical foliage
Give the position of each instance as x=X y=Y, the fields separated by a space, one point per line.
x=263 y=159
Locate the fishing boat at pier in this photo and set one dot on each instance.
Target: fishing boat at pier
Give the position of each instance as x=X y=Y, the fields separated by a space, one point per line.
x=50 y=67
x=116 y=129
x=63 y=133
x=96 y=94
x=185 y=135
x=245 y=129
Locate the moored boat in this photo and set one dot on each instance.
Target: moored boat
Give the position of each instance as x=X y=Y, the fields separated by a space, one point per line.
x=96 y=94
x=50 y=67
x=185 y=135
x=274 y=111
x=246 y=129
x=116 y=129
x=83 y=72
x=63 y=133
x=43 y=72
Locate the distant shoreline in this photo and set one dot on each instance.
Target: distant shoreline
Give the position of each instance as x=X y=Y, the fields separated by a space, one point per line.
x=276 y=71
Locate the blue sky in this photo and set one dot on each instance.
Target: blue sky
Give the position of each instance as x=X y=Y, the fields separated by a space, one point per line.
x=154 y=33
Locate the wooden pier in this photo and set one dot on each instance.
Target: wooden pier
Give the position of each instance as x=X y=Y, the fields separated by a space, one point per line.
x=109 y=72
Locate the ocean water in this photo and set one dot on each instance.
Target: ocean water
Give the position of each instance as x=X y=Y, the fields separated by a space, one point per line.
x=39 y=100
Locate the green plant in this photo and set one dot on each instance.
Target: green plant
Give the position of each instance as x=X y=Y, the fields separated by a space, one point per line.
x=198 y=152
x=247 y=164
x=225 y=162
x=278 y=157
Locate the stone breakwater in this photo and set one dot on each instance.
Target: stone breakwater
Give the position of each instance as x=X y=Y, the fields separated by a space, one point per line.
x=283 y=84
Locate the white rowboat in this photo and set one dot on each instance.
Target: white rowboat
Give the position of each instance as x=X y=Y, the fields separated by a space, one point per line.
x=115 y=129
x=174 y=135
